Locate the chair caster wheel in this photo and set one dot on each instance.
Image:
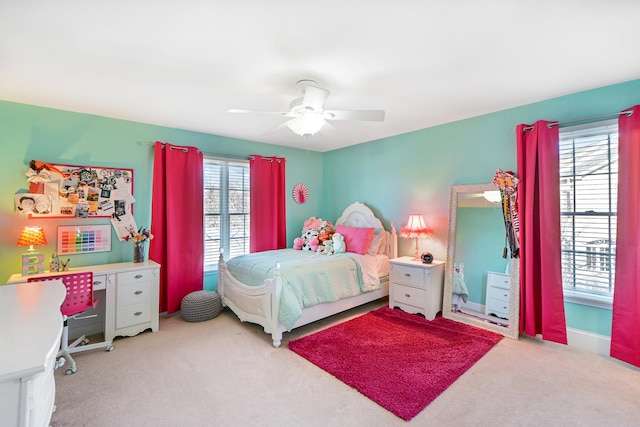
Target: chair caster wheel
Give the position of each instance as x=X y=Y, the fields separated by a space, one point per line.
x=70 y=371
x=84 y=342
x=111 y=348
x=60 y=361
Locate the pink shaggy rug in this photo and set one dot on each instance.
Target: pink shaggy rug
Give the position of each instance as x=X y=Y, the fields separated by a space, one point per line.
x=400 y=361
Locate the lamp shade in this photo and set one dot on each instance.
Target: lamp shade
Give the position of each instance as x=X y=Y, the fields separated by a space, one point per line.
x=415 y=227
x=307 y=124
x=32 y=235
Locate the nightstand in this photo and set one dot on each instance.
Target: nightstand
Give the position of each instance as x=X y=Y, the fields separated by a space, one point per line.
x=415 y=287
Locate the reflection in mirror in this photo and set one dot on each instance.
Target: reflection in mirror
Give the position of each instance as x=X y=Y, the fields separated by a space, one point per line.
x=482 y=288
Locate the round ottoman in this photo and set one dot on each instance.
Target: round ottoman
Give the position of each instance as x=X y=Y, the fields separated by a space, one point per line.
x=200 y=305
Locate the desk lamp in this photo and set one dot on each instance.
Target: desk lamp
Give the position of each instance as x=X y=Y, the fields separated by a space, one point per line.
x=417 y=228
x=32 y=261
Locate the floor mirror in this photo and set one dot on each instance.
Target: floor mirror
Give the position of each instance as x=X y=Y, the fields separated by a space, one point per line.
x=482 y=282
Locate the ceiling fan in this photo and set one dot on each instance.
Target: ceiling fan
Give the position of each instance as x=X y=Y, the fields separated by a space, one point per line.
x=307 y=113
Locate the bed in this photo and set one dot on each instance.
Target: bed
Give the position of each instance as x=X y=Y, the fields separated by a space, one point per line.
x=268 y=289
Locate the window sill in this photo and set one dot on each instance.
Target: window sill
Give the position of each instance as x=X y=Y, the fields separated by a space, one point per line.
x=588 y=299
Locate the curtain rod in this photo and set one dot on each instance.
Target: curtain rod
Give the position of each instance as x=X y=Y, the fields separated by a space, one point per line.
x=230 y=156
x=584 y=119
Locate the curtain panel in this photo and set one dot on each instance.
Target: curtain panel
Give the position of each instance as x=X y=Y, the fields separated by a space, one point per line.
x=625 y=324
x=541 y=295
x=268 y=224
x=177 y=221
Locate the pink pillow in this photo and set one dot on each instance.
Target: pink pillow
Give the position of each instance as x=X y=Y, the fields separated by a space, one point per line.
x=356 y=239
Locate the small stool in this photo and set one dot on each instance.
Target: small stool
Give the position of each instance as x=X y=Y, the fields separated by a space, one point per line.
x=200 y=305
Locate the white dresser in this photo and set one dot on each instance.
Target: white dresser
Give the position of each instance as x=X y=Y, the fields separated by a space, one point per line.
x=497 y=298
x=415 y=287
x=131 y=291
x=30 y=332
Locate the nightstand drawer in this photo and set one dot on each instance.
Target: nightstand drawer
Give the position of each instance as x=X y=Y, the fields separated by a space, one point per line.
x=498 y=294
x=498 y=280
x=498 y=307
x=409 y=295
x=414 y=276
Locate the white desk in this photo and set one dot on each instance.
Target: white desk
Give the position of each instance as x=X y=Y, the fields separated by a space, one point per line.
x=131 y=295
x=30 y=331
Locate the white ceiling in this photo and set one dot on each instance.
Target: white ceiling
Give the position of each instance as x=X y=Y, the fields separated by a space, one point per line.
x=184 y=63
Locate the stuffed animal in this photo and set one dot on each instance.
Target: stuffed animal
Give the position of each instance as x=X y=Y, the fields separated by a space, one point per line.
x=326 y=248
x=314 y=231
x=338 y=243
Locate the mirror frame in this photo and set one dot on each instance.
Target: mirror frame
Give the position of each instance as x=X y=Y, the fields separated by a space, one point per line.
x=511 y=331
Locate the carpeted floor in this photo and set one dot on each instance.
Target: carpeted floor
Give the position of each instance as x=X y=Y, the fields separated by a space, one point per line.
x=225 y=373
x=400 y=361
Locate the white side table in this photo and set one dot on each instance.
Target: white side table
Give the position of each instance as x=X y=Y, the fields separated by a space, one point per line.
x=415 y=287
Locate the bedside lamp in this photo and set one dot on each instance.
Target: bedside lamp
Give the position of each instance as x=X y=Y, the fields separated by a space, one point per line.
x=32 y=261
x=417 y=228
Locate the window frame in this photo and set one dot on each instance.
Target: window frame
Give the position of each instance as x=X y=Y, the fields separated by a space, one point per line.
x=583 y=297
x=225 y=235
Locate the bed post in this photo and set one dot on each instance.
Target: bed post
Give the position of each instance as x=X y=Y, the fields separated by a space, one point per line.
x=276 y=281
x=393 y=245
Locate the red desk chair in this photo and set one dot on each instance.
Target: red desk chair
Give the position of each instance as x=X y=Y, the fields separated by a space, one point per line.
x=79 y=298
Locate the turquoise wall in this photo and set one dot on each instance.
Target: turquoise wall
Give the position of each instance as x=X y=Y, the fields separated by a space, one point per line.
x=54 y=136
x=412 y=172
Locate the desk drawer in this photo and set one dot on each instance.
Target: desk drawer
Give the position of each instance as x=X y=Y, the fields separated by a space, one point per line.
x=133 y=314
x=408 y=295
x=133 y=293
x=135 y=276
x=415 y=276
x=99 y=282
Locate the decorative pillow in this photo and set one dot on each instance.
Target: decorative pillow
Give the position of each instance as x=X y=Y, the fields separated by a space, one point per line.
x=356 y=239
x=376 y=240
x=384 y=239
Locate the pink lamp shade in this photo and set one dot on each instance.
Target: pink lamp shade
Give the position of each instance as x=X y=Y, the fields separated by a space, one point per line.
x=32 y=235
x=415 y=228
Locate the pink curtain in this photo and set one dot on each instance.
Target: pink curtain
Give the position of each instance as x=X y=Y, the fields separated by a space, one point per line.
x=268 y=203
x=177 y=222
x=625 y=327
x=541 y=297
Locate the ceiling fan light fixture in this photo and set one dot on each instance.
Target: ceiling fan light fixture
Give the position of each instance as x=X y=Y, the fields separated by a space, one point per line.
x=307 y=124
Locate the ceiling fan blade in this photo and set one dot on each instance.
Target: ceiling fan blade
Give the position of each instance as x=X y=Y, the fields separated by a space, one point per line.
x=277 y=113
x=275 y=129
x=364 y=115
x=314 y=98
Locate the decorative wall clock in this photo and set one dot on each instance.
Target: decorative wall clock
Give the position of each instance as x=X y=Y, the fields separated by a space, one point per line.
x=300 y=193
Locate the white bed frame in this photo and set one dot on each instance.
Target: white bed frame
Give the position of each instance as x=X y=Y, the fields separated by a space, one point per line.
x=260 y=304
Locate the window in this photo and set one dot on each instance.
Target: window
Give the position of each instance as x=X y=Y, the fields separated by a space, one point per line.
x=226 y=210
x=588 y=202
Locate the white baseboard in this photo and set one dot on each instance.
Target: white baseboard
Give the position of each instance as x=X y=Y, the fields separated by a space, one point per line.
x=596 y=343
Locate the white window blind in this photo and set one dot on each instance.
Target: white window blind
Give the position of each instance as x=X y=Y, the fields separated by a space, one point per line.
x=226 y=210
x=588 y=202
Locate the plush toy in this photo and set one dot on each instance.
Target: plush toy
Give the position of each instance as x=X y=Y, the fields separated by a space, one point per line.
x=338 y=243
x=326 y=248
x=314 y=232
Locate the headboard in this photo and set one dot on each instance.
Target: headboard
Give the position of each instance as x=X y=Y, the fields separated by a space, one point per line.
x=359 y=215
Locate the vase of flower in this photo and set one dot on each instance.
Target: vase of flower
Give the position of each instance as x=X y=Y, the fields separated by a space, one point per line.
x=138 y=252
x=138 y=238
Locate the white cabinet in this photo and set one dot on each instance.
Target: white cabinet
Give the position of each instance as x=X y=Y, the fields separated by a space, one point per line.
x=30 y=332
x=415 y=287
x=497 y=298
